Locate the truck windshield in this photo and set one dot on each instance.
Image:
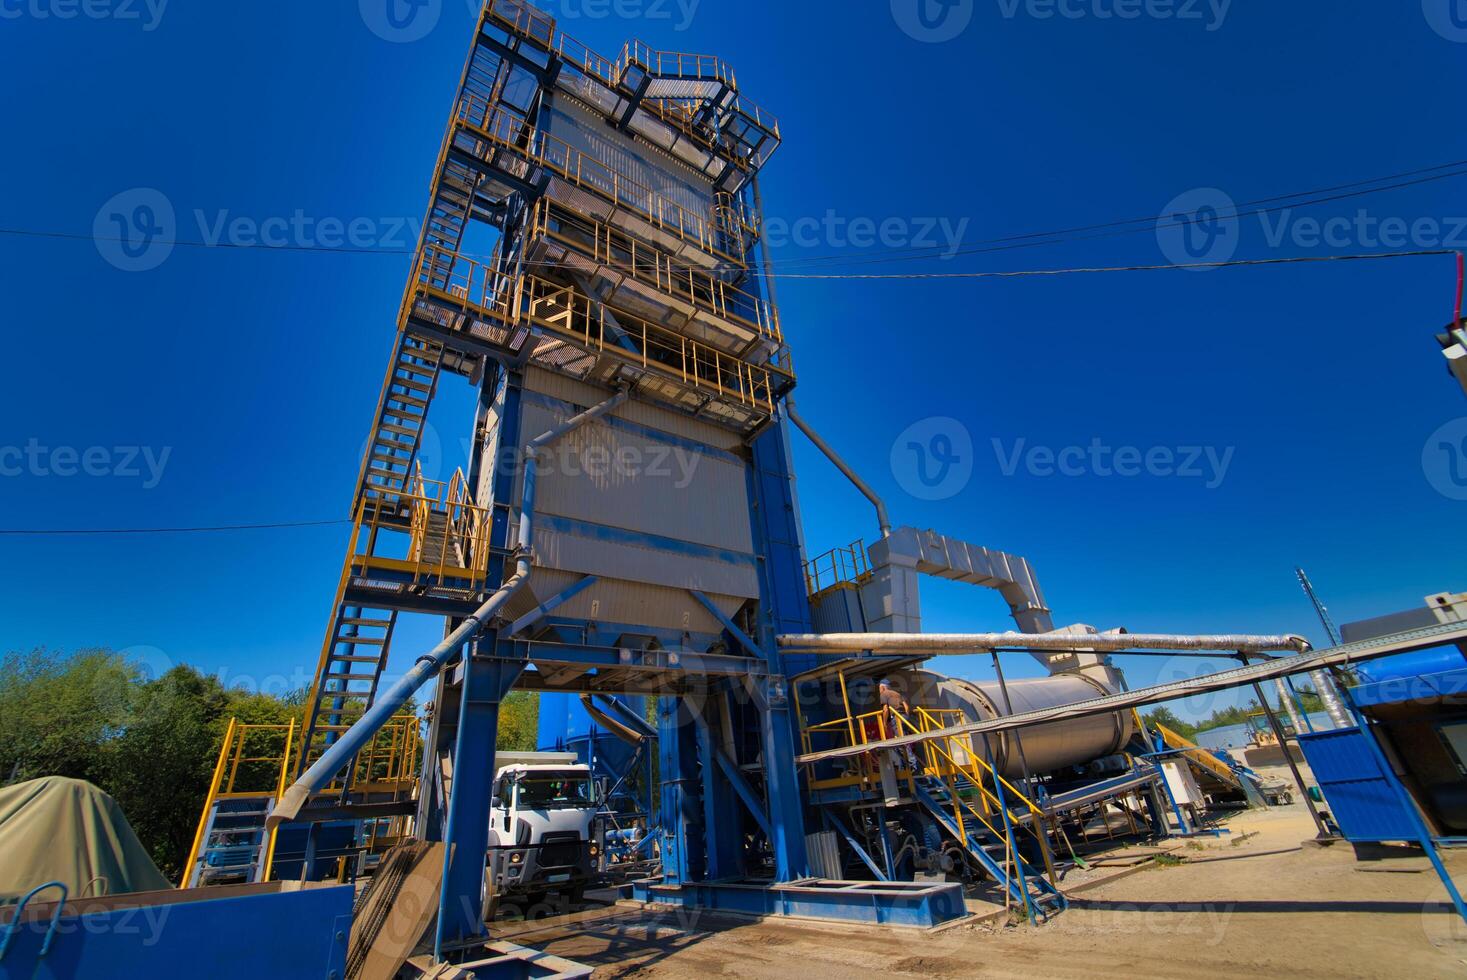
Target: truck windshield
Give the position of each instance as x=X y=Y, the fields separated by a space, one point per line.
x=551 y=792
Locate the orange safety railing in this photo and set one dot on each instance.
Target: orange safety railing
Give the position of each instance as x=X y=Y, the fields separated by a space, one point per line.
x=606 y=245
x=722 y=232
x=838 y=566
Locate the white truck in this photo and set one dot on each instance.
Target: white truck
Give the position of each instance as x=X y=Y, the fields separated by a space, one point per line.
x=541 y=828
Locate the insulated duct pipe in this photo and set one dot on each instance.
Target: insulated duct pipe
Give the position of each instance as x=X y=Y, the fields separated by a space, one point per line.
x=935 y=643
x=341 y=752
x=840 y=464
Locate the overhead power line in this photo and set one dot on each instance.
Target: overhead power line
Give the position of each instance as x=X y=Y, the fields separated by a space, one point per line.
x=1017 y=274
x=1110 y=229
x=169 y=530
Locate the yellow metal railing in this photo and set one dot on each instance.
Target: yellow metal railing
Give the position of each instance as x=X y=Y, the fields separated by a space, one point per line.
x=722 y=232
x=255 y=761
x=695 y=365
x=607 y=245
x=245 y=769
x=448 y=534
x=838 y=566
x=538 y=26
x=562 y=310
x=948 y=758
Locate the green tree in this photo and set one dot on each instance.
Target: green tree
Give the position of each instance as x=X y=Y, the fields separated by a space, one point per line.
x=1162 y=715
x=57 y=711
x=519 y=721
x=158 y=769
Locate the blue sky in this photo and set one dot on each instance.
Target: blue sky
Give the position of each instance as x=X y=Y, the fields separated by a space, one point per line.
x=245 y=377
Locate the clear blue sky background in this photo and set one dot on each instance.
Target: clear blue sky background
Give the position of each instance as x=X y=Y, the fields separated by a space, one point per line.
x=258 y=369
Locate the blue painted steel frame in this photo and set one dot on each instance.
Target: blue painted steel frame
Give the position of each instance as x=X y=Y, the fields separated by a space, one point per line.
x=895 y=903
x=484 y=681
x=274 y=934
x=1408 y=804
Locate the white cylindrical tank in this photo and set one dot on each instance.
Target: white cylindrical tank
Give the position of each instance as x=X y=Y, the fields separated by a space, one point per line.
x=1056 y=745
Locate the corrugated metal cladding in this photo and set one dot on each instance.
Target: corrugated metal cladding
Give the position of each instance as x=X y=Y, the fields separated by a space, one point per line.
x=651 y=511
x=630 y=602
x=654 y=169
x=1361 y=800
x=652 y=416
x=824 y=855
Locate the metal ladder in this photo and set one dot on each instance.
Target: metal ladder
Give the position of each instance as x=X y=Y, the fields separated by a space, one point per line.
x=352 y=661
x=231 y=841
x=402 y=413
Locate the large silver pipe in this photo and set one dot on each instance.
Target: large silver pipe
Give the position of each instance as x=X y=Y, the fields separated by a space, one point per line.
x=1324 y=686
x=1044 y=748
x=794 y=416
x=935 y=643
x=355 y=738
x=1286 y=701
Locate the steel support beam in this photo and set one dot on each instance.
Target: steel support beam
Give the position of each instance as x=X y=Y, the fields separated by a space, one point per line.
x=461 y=901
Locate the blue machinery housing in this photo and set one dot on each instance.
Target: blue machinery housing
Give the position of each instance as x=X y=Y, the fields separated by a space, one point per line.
x=1400 y=775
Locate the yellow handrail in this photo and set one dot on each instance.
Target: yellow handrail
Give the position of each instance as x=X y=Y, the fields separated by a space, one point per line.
x=193 y=851
x=279 y=792
x=941 y=761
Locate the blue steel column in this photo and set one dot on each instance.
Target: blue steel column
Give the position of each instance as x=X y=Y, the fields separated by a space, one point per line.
x=679 y=813
x=461 y=901
x=483 y=681
x=723 y=817
x=785 y=606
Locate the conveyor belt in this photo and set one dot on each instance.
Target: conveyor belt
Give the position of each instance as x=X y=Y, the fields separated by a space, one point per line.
x=1384 y=646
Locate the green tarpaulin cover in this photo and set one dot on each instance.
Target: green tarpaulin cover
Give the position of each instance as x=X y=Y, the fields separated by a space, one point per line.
x=67 y=830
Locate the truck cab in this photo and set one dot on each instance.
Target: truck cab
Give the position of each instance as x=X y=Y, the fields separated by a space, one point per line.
x=541 y=837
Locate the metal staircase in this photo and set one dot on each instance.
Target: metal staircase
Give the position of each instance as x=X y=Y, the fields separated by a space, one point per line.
x=351 y=666
x=231 y=844
x=402 y=412
x=983 y=837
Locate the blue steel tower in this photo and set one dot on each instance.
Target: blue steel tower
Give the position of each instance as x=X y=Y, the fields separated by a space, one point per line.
x=587 y=268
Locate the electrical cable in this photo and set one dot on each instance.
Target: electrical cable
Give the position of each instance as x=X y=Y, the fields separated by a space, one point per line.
x=171 y=530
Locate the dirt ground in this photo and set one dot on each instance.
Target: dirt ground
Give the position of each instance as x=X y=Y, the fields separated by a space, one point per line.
x=1254 y=902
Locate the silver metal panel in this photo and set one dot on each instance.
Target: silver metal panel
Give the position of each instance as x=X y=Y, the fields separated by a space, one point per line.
x=619 y=478
x=612 y=600
x=647 y=165
x=642 y=413
x=555 y=549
